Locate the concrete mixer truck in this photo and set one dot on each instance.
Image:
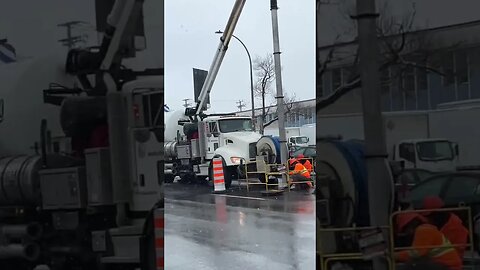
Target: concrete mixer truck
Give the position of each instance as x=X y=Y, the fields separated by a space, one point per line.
x=193 y=137
x=81 y=164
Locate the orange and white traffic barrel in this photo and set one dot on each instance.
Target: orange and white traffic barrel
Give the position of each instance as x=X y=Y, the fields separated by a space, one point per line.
x=218 y=176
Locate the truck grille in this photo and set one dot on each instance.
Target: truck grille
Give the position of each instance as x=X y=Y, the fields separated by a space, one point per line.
x=252 y=150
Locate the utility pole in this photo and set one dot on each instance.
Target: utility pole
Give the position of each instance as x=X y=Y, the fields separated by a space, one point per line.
x=186 y=104
x=278 y=80
x=240 y=105
x=379 y=177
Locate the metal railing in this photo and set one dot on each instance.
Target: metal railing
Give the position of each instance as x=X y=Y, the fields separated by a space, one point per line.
x=330 y=251
x=466 y=210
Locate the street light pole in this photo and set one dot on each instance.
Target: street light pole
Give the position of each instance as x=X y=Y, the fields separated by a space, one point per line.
x=251 y=75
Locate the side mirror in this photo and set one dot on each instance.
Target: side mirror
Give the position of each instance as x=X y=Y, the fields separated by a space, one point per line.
x=457 y=151
x=2 y=109
x=308 y=139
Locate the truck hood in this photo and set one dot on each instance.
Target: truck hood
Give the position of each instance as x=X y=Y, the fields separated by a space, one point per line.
x=238 y=145
x=242 y=137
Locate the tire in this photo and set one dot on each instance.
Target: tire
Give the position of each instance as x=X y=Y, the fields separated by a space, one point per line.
x=227 y=174
x=261 y=177
x=169 y=178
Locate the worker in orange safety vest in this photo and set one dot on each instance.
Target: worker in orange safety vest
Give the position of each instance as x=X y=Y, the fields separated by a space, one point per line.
x=448 y=223
x=428 y=242
x=299 y=173
x=305 y=162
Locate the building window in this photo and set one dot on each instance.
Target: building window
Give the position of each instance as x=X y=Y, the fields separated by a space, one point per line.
x=336 y=78
x=461 y=67
x=448 y=69
x=408 y=87
x=422 y=78
x=422 y=88
x=385 y=82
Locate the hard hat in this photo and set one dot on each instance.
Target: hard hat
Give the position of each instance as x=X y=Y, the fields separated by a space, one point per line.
x=300 y=156
x=432 y=202
x=405 y=218
x=291 y=161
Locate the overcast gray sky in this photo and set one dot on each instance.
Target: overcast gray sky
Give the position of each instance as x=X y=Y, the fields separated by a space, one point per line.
x=191 y=43
x=31 y=27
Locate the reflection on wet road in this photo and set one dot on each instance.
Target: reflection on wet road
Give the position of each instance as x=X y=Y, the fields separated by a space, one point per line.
x=238 y=230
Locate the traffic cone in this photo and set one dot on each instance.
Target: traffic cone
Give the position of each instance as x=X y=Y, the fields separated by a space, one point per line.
x=218 y=176
x=159 y=242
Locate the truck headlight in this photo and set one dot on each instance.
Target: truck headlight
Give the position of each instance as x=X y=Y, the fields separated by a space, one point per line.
x=235 y=160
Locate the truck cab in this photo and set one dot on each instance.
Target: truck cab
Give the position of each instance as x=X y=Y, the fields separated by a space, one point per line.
x=435 y=155
x=231 y=137
x=298 y=141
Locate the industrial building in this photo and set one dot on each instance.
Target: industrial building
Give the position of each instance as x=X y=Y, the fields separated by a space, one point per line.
x=439 y=65
x=299 y=113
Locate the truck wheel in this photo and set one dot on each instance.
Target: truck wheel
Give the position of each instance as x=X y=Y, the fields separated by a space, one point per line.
x=227 y=174
x=261 y=177
x=169 y=178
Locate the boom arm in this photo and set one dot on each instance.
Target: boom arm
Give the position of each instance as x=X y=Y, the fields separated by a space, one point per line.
x=217 y=60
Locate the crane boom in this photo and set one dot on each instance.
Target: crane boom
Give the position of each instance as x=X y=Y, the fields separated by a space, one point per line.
x=218 y=58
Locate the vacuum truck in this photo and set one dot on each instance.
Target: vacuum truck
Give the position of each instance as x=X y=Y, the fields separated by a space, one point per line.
x=81 y=163
x=193 y=138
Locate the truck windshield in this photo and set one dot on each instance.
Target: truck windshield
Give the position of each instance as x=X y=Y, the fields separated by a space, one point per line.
x=435 y=151
x=233 y=125
x=301 y=140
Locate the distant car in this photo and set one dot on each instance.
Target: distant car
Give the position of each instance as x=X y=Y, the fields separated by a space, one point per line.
x=307 y=151
x=412 y=177
x=459 y=188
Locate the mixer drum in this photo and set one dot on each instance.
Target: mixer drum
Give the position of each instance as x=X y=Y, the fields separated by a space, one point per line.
x=170 y=149
x=80 y=115
x=19 y=180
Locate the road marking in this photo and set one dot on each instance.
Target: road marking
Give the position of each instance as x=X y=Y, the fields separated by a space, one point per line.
x=240 y=197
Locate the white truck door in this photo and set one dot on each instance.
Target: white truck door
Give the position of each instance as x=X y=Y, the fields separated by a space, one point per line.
x=406 y=153
x=213 y=138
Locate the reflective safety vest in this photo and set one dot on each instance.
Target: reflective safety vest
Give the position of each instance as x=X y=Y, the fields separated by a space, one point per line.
x=308 y=165
x=300 y=169
x=456 y=233
x=429 y=242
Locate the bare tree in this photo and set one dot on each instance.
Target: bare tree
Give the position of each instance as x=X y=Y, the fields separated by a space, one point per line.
x=289 y=101
x=265 y=72
x=397 y=39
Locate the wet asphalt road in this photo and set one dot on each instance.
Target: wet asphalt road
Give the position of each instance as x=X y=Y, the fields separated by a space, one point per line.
x=238 y=230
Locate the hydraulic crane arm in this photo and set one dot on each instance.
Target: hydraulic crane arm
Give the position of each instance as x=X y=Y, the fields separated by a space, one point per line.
x=124 y=12
x=220 y=53
x=116 y=44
